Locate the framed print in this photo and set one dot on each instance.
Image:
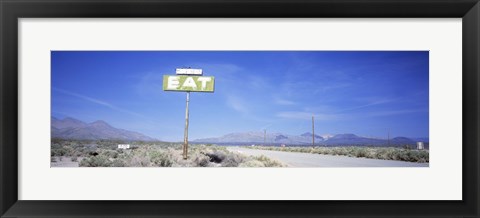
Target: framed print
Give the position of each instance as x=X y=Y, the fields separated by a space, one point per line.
x=227 y=108
x=76 y=143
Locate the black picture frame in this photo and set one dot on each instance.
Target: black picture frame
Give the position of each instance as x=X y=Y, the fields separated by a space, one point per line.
x=12 y=10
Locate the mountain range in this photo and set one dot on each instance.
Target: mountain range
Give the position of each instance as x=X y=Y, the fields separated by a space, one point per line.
x=306 y=139
x=70 y=128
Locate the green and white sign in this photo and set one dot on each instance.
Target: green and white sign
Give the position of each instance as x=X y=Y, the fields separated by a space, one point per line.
x=183 y=83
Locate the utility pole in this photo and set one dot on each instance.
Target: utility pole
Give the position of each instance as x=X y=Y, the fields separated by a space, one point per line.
x=185 y=137
x=313 y=130
x=264 y=137
x=388 y=137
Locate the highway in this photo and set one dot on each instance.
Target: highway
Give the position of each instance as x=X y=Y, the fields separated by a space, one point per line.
x=296 y=159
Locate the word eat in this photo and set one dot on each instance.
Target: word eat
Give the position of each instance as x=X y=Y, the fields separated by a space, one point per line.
x=188 y=83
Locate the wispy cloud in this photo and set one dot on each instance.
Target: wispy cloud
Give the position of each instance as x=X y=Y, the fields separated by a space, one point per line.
x=295 y=87
x=281 y=101
x=258 y=82
x=237 y=104
x=396 y=112
x=372 y=103
x=301 y=115
x=96 y=101
x=332 y=87
x=149 y=83
x=245 y=109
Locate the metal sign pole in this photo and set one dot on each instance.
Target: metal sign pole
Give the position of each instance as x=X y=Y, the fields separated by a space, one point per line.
x=185 y=138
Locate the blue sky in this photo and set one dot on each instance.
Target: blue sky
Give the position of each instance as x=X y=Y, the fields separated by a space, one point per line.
x=367 y=93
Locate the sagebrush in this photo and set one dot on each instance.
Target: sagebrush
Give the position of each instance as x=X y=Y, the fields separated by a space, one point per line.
x=104 y=153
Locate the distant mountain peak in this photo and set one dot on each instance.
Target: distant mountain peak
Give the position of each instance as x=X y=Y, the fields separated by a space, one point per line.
x=280 y=137
x=309 y=134
x=306 y=134
x=401 y=138
x=345 y=136
x=67 y=122
x=71 y=119
x=71 y=128
x=100 y=123
x=327 y=136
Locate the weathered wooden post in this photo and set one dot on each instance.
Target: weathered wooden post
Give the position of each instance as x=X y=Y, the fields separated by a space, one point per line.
x=188 y=80
x=185 y=135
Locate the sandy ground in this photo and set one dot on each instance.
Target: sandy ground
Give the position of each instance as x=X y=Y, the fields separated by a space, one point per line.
x=65 y=162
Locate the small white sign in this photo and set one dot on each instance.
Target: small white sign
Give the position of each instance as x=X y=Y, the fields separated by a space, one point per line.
x=420 y=146
x=123 y=146
x=182 y=71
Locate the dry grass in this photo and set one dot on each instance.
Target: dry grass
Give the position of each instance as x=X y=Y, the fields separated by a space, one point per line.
x=105 y=154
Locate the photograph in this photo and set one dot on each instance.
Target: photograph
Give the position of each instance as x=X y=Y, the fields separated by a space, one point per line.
x=254 y=109
x=315 y=108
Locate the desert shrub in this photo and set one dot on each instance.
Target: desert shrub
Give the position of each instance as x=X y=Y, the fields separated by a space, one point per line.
x=160 y=158
x=200 y=160
x=371 y=153
x=423 y=157
x=383 y=154
x=268 y=162
x=360 y=153
x=96 y=161
x=233 y=160
x=103 y=153
x=69 y=150
x=341 y=151
x=252 y=163
x=389 y=153
x=402 y=155
x=110 y=153
x=58 y=152
x=393 y=155
x=216 y=156
x=417 y=156
x=118 y=163
x=139 y=161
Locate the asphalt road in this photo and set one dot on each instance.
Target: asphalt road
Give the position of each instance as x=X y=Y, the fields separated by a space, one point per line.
x=296 y=159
